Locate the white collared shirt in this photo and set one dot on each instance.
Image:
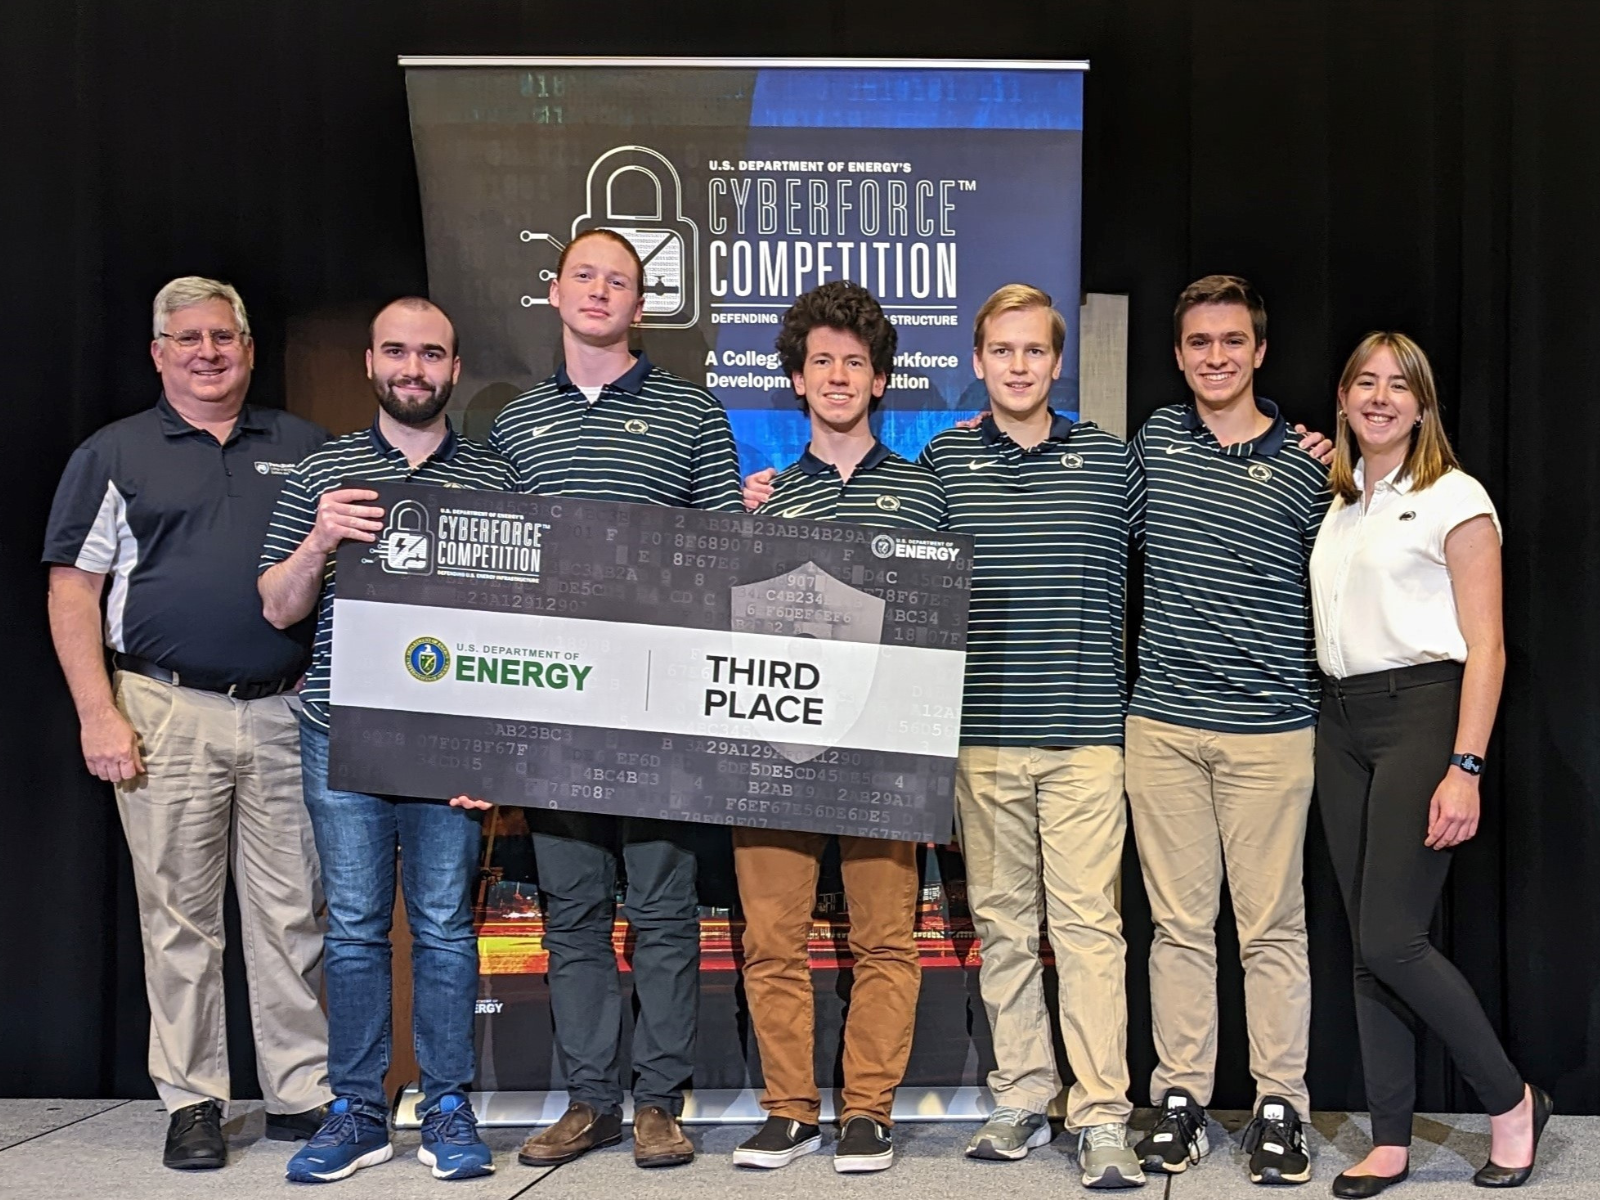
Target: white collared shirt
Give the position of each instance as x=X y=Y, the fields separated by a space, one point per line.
x=1380 y=589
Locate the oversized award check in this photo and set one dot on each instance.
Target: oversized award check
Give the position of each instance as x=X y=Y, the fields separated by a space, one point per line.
x=656 y=662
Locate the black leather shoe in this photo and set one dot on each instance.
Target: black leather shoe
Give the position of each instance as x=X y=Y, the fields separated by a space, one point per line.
x=1491 y=1174
x=1356 y=1187
x=295 y=1127
x=194 y=1138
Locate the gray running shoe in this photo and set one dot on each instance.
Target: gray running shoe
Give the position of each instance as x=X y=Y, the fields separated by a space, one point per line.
x=1107 y=1159
x=1009 y=1134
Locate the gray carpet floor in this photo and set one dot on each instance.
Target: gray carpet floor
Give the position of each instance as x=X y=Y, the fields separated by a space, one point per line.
x=78 y=1149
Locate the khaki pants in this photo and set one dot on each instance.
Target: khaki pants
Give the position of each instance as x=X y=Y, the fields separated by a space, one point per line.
x=222 y=780
x=1204 y=802
x=777 y=871
x=1041 y=833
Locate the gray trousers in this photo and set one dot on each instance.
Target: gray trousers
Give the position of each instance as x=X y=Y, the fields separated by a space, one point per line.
x=577 y=857
x=222 y=785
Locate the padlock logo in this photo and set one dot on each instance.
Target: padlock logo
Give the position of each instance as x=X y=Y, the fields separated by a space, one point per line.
x=406 y=545
x=636 y=191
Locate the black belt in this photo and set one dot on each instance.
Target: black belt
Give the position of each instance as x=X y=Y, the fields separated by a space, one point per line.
x=239 y=691
x=1394 y=680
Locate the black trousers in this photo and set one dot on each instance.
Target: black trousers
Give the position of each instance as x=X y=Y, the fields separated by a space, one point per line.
x=577 y=855
x=1383 y=744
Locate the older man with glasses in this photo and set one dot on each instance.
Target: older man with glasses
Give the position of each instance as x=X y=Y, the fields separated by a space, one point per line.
x=196 y=725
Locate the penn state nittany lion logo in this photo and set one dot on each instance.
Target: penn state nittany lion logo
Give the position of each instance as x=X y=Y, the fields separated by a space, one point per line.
x=427 y=659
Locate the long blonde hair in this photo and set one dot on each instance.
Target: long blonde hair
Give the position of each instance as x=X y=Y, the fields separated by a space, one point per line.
x=1429 y=455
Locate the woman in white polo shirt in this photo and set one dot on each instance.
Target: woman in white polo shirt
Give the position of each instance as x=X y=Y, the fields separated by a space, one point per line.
x=1405 y=582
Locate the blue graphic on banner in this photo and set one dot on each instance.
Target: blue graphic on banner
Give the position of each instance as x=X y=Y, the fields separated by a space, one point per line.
x=841 y=98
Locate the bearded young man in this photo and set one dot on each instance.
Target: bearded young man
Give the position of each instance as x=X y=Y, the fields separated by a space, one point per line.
x=413 y=364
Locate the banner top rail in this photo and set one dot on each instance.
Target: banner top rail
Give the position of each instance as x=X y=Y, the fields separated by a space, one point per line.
x=960 y=64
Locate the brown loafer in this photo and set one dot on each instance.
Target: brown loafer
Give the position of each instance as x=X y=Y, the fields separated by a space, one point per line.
x=580 y=1130
x=658 y=1139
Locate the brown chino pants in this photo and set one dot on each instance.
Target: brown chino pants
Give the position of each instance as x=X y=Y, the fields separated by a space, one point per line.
x=777 y=872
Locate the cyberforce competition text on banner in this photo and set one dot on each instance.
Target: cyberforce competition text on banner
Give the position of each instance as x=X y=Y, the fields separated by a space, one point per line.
x=743 y=185
x=650 y=661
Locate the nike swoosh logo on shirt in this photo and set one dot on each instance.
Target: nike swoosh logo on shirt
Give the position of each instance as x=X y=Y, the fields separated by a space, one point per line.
x=1176 y=449
x=979 y=464
x=540 y=430
x=790 y=514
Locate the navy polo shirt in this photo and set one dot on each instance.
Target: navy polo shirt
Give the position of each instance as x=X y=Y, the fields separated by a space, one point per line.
x=883 y=489
x=649 y=438
x=1051 y=525
x=1226 y=642
x=176 y=521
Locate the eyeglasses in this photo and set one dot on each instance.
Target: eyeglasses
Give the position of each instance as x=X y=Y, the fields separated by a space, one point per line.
x=190 y=339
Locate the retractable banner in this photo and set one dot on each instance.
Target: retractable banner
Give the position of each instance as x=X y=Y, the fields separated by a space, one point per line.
x=742 y=184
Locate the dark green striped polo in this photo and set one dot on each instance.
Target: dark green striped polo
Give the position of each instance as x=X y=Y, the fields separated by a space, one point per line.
x=1044 y=633
x=884 y=489
x=1226 y=642
x=649 y=438
x=349 y=461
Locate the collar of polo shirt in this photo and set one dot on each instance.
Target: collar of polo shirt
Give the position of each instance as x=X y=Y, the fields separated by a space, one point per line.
x=1060 y=429
x=812 y=465
x=1268 y=444
x=631 y=380
x=172 y=425
x=1394 y=480
x=445 y=452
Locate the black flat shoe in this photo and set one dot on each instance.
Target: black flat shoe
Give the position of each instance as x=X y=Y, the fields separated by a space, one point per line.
x=194 y=1138
x=295 y=1127
x=1354 y=1187
x=1492 y=1175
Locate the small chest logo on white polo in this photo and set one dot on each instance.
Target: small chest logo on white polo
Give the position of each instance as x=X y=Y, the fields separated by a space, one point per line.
x=1409 y=515
x=636 y=426
x=1260 y=472
x=889 y=503
x=883 y=546
x=1072 y=462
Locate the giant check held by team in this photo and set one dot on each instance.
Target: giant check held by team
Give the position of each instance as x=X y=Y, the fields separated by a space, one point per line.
x=656 y=662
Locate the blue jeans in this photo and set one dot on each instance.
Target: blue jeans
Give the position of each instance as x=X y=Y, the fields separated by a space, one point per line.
x=357 y=836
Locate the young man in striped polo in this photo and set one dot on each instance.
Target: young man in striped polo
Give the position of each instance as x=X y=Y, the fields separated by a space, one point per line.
x=1220 y=728
x=609 y=425
x=1039 y=788
x=838 y=349
x=413 y=364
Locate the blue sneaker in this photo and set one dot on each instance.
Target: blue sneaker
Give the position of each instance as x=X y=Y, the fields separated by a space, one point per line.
x=450 y=1141
x=347 y=1141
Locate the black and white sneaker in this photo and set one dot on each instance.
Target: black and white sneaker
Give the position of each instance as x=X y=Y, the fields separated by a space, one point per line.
x=777 y=1144
x=863 y=1146
x=1179 y=1137
x=1276 y=1144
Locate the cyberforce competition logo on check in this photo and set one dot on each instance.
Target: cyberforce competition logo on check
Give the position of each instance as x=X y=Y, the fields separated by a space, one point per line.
x=428 y=660
x=467 y=544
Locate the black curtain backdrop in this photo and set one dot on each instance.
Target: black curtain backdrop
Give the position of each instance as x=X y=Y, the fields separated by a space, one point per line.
x=1430 y=167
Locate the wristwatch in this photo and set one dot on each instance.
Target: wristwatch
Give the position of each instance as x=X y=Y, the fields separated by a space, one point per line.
x=1470 y=763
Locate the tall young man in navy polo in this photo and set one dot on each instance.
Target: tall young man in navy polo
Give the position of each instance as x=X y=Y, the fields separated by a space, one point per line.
x=1052 y=505
x=167 y=507
x=609 y=425
x=412 y=363
x=1220 y=728
x=837 y=348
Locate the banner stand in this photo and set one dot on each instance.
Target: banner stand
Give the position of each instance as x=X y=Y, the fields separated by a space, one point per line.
x=713 y=1106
